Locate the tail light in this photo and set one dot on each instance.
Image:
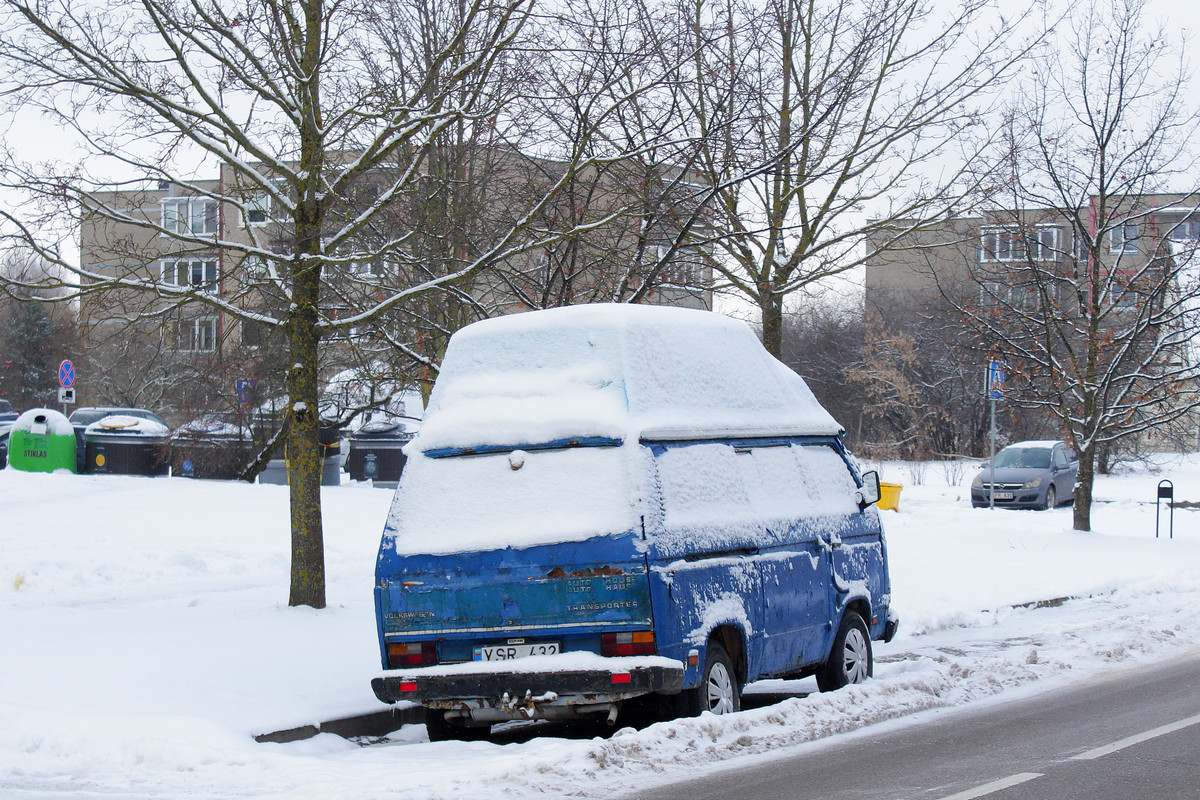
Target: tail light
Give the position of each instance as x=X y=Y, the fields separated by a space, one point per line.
x=411 y=654
x=633 y=643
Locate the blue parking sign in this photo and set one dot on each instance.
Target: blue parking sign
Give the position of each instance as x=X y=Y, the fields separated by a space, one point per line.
x=995 y=380
x=244 y=388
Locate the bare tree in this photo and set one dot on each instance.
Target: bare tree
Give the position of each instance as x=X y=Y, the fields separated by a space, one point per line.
x=915 y=367
x=630 y=66
x=820 y=124
x=610 y=231
x=822 y=339
x=35 y=335
x=1088 y=289
x=325 y=115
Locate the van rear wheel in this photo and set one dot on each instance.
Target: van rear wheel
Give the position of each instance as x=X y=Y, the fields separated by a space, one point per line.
x=719 y=691
x=850 y=659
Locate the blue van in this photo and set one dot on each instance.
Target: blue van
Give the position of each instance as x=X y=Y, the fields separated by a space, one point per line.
x=618 y=507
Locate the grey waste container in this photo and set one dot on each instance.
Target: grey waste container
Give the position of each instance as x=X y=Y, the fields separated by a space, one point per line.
x=121 y=445
x=276 y=470
x=376 y=453
x=210 y=449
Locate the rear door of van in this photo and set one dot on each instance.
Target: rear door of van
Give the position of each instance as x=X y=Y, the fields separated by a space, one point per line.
x=538 y=550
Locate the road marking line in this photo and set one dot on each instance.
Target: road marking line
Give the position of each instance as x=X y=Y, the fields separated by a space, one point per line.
x=1130 y=741
x=994 y=786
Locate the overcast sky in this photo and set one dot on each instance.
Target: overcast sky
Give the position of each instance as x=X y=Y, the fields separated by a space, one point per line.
x=35 y=139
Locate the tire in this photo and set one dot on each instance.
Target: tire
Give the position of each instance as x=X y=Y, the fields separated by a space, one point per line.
x=719 y=690
x=1051 y=498
x=850 y=659
x=441 y=730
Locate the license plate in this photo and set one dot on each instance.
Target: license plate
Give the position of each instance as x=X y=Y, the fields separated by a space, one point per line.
x=506 y=652
x=1004 y=495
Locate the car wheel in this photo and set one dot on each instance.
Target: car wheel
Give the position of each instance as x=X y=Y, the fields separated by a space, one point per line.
x=850 y=659
x=442 y=730
x=1051 y=498
x=718 y=691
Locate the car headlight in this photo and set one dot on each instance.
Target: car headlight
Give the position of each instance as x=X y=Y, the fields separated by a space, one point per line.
x=977 y=483
x=1033 y=483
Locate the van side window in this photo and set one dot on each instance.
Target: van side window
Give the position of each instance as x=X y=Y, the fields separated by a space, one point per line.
x=701 y=485
x=719 y=486
x=774 y=482
x=828 y=485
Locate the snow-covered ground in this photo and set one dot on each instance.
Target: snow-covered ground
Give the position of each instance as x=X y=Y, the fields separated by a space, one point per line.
x=145 y=639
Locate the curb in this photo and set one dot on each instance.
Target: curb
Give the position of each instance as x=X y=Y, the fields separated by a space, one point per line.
x=379 y=723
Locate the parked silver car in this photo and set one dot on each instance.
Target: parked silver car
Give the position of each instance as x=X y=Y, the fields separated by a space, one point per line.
x=1038 y=474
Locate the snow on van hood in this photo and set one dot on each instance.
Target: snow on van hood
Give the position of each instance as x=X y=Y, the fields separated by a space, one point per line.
x=613 y=370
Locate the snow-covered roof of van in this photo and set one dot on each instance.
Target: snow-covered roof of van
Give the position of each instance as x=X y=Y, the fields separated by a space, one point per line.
x=613 y=370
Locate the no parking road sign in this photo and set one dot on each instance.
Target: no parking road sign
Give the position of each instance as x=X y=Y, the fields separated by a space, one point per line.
x=66 y=374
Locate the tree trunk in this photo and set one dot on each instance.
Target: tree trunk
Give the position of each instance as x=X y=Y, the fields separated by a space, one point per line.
x=1083 y=490
x=304 y=454
x=304 y=444
x=771 y=307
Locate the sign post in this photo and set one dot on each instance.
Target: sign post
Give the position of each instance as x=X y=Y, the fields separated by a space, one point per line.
x=994 y=378
x=66 y=384
x=1166 y=491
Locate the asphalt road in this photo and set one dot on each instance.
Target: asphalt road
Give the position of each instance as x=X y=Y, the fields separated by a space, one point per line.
x=1132 y=736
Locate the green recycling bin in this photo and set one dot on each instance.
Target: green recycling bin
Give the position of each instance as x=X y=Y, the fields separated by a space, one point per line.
x=42 y=440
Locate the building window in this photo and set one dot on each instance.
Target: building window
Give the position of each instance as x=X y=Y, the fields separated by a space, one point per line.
x=1187 y=230
x=1124 y=294
x=1016 y=244
x=1123 y=238
x=682 y=268
x=189 y=216
x=253 y=271
x=1006 y=296
x=373 y=266
x=261 y=208
x=193 y=273
x=254 y=334
x=197 y=335
x=258 y=210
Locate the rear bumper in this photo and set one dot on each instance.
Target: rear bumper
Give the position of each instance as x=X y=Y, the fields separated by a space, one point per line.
x=498 y=696
x=891 y=626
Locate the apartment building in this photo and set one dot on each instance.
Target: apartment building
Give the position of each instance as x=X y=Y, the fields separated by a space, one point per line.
x=1007 y=263
x=214 y=247
x=987 y=254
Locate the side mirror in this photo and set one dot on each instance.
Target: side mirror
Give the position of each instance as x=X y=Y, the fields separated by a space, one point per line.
x=869 y=493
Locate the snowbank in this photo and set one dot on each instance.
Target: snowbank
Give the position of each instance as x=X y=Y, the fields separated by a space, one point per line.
x=147 y=640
